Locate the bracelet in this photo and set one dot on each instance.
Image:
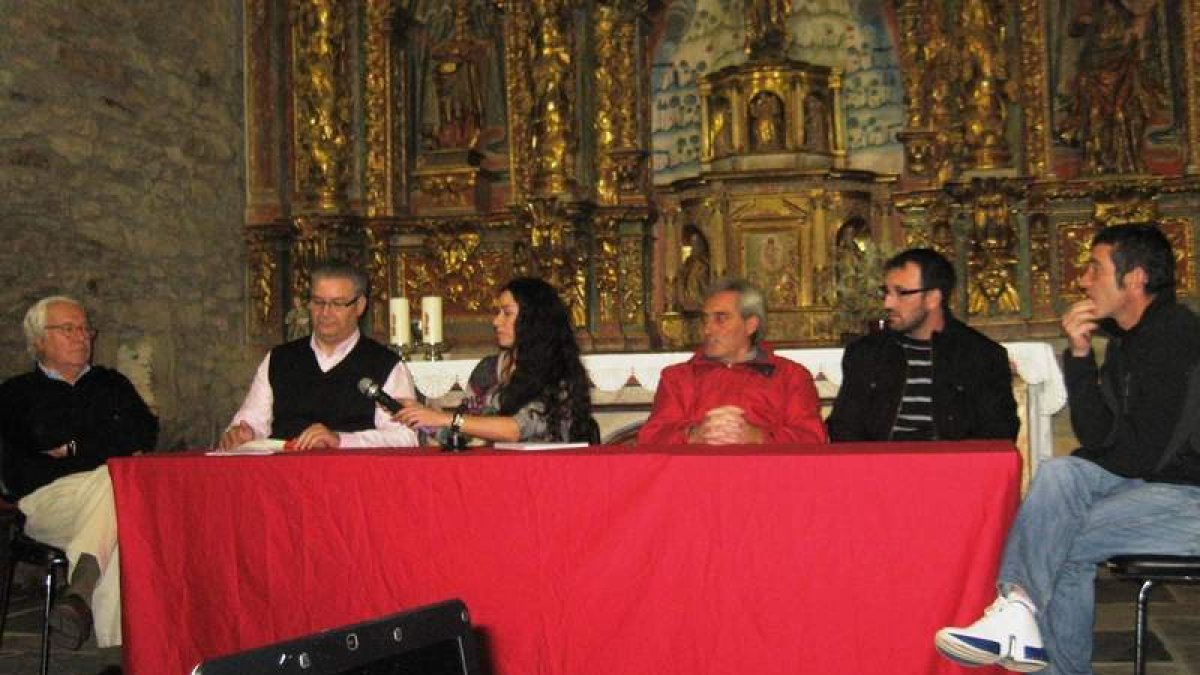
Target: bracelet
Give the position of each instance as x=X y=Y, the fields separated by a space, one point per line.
x=456 y=421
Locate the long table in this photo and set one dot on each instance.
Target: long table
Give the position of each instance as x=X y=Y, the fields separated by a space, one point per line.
x=803 y=559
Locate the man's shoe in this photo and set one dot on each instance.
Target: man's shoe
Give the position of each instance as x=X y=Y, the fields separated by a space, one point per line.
x=70 y=622
x=1007 y=636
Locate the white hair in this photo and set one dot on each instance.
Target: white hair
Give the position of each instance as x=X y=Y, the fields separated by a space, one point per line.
x=35 y=320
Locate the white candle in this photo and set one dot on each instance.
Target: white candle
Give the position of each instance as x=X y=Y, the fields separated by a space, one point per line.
x=431 y=319
x=401 y=330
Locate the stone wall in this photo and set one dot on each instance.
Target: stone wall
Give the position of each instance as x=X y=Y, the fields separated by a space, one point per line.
x=121 y=184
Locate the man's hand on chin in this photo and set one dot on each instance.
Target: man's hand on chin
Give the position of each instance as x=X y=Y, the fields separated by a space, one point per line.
x=315 y=436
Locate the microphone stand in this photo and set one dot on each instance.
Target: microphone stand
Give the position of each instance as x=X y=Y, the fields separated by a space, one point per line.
x=456 y=440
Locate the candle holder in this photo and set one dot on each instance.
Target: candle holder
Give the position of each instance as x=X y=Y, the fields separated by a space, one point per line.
x=433 y=352
x=406 y=350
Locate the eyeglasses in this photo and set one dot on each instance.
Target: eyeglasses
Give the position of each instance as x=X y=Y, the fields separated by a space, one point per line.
x=318 y=304
x=884 y=291
x=71 y=330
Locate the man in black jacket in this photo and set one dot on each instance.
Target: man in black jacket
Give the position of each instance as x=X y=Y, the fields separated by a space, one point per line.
x=928 y=376
x=1134 y=487
x=60 y=423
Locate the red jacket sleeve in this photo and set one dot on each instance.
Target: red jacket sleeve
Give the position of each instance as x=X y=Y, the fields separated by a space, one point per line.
x=801 y=421
x=669 y=417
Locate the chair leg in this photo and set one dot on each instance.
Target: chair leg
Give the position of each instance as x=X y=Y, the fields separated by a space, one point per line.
x=1143 y=602
x=49 y=582
x=7 y=568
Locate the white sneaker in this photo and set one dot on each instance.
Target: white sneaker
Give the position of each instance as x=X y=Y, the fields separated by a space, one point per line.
x=1007 y=636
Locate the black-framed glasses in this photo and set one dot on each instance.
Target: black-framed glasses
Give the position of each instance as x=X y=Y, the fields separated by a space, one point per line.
x=884 y=291
x=72 y=329
x=318 y=304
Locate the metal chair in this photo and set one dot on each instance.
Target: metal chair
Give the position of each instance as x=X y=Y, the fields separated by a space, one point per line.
x=22 y=548
x=626 y=435
x=1150 y=570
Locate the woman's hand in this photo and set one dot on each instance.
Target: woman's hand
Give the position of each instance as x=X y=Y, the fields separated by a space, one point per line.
x=415 y=415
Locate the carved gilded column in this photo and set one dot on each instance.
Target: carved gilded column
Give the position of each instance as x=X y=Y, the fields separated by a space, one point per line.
x=1192 y=49
x=606 y=265
x=558 y=251
x=839 y=119
x=620 y=96
x=985 y=73
x=1041 y=286
x=609 y=93
x=264 y=195
x=518 y=89
x=1035 y=89
x=553 y=142
x=932 y=136
x=378 y=236
x=634 y=261
x=321 y=93
x=265 y=247
x=908 y=15
x=385 y=111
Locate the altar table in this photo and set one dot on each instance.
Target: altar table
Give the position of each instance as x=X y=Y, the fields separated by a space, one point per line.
x=1035 y=363
x=798 y=559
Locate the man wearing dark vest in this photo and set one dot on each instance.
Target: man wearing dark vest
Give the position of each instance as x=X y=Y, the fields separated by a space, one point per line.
x=306 y=391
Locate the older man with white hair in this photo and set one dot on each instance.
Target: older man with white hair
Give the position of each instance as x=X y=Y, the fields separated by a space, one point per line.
x=60 y=423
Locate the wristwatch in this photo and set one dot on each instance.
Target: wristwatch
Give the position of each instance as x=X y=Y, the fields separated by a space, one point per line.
x=456 y=421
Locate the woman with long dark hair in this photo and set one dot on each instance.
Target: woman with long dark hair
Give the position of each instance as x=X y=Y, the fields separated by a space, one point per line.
x=535 y=388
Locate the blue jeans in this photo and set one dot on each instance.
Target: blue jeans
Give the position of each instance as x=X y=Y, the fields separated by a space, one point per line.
x=1075 y=516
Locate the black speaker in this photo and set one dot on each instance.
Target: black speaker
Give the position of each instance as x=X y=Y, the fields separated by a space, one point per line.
x=432 y=640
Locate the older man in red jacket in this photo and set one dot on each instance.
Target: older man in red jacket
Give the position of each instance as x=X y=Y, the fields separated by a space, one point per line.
x=734 y=390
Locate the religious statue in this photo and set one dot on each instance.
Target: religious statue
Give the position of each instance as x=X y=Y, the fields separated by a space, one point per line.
x=1114 y=88
x=766 y=27
x=459 y=86
x=766 y=123
x=298 y=320
x=991 y=288
x=816 y=126
x=720 y=132
x=695 y=272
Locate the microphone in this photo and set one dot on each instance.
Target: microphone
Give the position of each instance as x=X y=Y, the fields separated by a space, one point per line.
x=373 y=391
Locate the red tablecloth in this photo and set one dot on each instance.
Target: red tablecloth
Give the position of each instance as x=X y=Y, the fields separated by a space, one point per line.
x=797 y=560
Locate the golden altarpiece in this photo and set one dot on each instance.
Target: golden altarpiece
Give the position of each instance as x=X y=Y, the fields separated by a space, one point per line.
x=446 y=147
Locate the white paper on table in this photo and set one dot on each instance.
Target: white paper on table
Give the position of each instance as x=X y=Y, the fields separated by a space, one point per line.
x=537 y=446
x=258 y=446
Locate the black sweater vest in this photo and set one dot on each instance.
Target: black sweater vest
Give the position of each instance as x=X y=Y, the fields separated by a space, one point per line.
x=303 y=395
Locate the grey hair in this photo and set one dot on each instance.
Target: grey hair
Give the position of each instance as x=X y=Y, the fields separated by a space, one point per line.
x=340 y=270
x=35 y=319
x=751 y=302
